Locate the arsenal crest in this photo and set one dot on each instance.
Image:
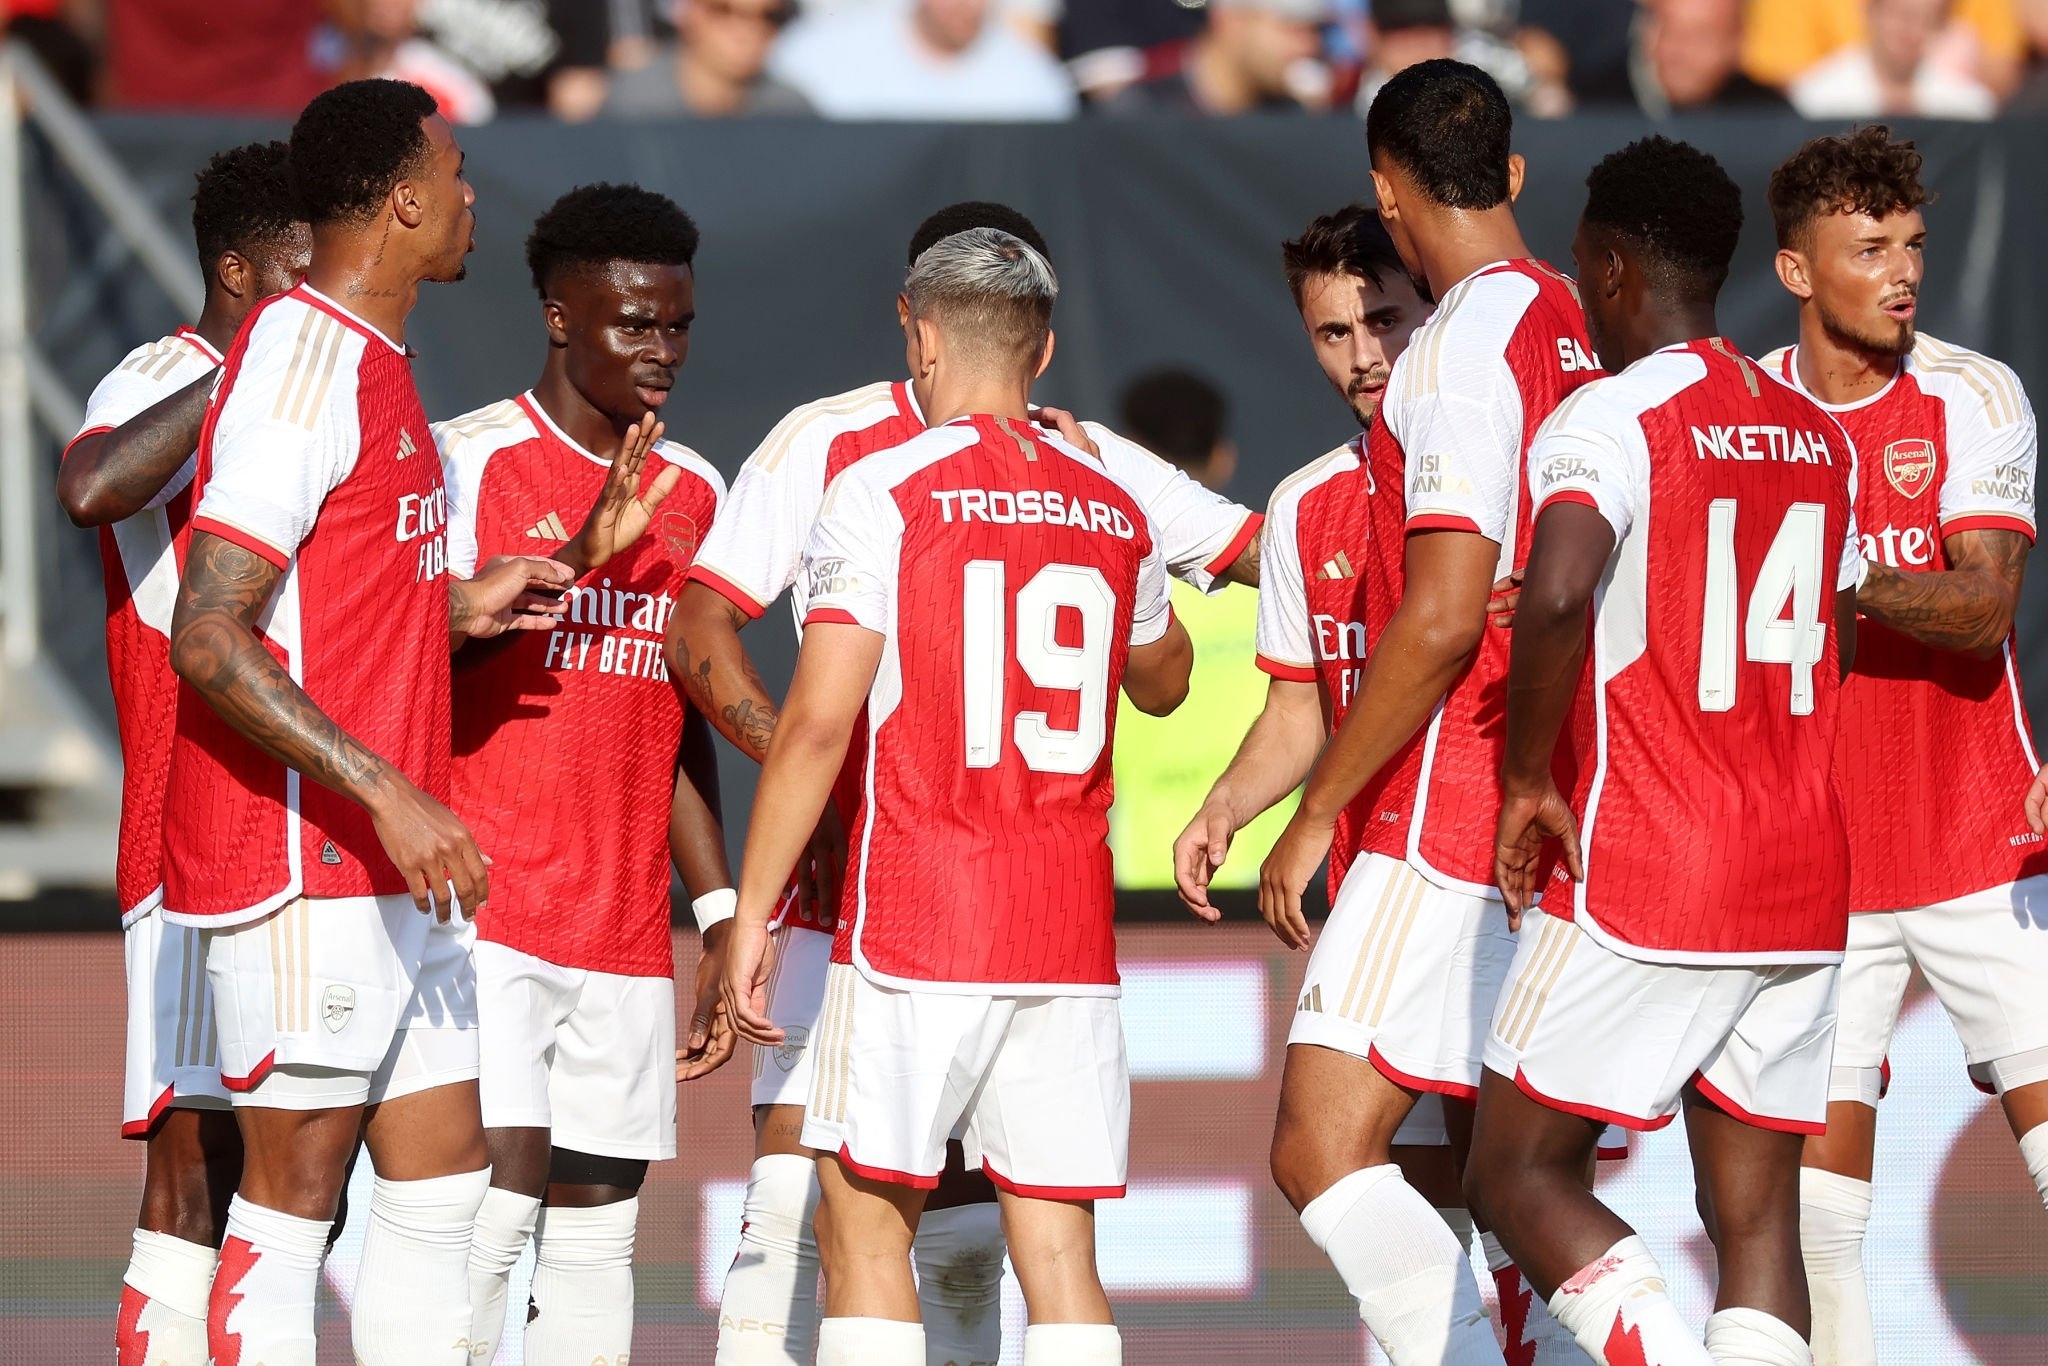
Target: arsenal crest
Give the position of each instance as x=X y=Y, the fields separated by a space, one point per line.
x=1910 y=466
x=679 y=534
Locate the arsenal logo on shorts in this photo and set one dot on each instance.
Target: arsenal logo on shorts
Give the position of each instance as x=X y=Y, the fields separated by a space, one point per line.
x=790 y=1051
x=1910 y=466
x=336 y=1006
x=679 y=534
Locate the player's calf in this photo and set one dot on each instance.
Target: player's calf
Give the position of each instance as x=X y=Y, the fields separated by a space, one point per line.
x=1052 y=1246
x=194 y=1159
x=865 y=1230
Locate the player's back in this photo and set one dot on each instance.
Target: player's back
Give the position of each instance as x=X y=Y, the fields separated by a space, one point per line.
x=1006 y=571
x=1711 y=821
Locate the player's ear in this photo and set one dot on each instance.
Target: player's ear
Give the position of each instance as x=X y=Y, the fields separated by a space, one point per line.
x=1045 y=357
x=1791 y=267
x=406 y=204
x=234 y=274
x=926 y=333
x=1516 y=167
x=1383 y=192
x=556 y=321
x=902 y=309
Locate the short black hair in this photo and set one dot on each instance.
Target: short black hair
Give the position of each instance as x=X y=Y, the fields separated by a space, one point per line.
x=242 y=200
x=1176 y=414
x=1674 y=205
x=976 y=213
x=1351 y=241
x=353 y=143
x=1866 y=171
x=594 y=225
x=1447 y=125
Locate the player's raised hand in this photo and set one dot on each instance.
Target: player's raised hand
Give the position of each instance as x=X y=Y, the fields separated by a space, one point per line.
x=510 y=593
x=1506 y=597
x=1284 y=877
x=1198 y=853
x=1527 y=821
x=433 y=850
x=2037 y=803
x=1068 y=426
x=711 y=1039
x=819 y=871
x=748 y=957
x=622 y=512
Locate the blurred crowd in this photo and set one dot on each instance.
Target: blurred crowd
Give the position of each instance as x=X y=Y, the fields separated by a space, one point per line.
x=1045 y=59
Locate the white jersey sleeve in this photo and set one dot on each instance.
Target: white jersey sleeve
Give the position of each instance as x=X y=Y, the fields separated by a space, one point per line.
x=467 y=444
x=1285 y=649
x=1201 y=533
x=1992 y=440
x=1852 y=569
x=1592 y=451
x=146 y=377
x=286 y=434
x=1152 y=602
x=852 y=555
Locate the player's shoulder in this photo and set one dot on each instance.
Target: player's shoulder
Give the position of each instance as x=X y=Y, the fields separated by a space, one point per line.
x=1959 y=376
x=892 y=465
x=693 y=465
x=1615 y=404
x=483 y=432
x=1289 y=492
x=292 y=353
x=165 y=358
x=1778 y=362
x=812 y=427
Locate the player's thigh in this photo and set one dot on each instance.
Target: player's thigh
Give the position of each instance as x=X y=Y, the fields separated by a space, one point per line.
x=436 y=1131
x=1986 y=957
x=1339 y=1113
x=612 y=1086
x=1052 y=1118
x=521 y=1001
x=796 y=998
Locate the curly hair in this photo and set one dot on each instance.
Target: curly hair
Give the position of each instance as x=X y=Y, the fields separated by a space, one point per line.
x=976 y=213
x=353 y=143
x=1447 y=125
x=242 y=200
x=1351 y=241
x=594 y=225
x=1865 y=171
x=1675 y=205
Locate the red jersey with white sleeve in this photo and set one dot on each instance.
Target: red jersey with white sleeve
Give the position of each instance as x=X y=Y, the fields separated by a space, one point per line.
x=566 y=740
x=1010 y=578
x=1935 y=752
x=1504 y=348
x=140 y=566
x=315 y=456
x=755 y=552
x=1710 y=820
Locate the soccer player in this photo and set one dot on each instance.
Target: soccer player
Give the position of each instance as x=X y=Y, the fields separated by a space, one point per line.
x=1417 y=919
x=1702 y=511
x=1935 y=754
x=304 y=825
x=129 y=473
x=752 y=555
x=575 y=967
x=979 y=594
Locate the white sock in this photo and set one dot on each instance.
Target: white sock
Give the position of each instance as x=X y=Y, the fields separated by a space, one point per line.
x=1833 y=1213
x=503 y=1224
x=260 y=1309
x=870 y=1342
x=1073 y=1344
x=2034 y=1152
x=163 y=1302
x=1750 y=1337
x=1400 y=1261
x=959 y=1255
x=1532 y=1337
x=583 y=1286
x=412 y=1284
x=1617 y=1304
x=768 y=1315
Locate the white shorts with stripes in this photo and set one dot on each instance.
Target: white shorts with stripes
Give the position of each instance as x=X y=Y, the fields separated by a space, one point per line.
x=796 y=997
x=368 y=997
x=173 y=1049
x=1587 y=1031
x=1404 y=974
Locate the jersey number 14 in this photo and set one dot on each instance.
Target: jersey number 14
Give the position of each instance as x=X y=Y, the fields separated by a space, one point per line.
x=1081 y=668
x=1792 y=575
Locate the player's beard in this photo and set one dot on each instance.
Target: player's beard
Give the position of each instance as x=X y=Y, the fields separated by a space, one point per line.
x=1894 y=339
x=1364 y=408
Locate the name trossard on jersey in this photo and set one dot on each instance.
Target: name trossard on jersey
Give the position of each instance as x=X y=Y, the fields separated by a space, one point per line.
x=566 y=740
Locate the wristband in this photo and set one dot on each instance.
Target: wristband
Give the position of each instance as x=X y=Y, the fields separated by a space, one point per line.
x=715 y=908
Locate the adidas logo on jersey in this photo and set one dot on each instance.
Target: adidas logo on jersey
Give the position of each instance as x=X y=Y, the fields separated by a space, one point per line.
x=405 y=445
x=1338 y=568
x=548 y=528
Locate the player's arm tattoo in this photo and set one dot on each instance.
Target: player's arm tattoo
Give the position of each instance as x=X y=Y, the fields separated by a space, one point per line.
x=1967 y=607
x=721 y=681
x=1245 y=568
x=214 y=648
x=114 y=475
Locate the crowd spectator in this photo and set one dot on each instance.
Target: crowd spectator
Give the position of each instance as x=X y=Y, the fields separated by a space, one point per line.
x=1250 y=55
x=939 y=59
x=383 y=38
x=240 y=56
x=1981 y=41
x=1183 y=418
x=716 y=66
x=1595 y=39
x=1109 y=44
x=1893 y=72
x=1688 y=56
x=1399 y=34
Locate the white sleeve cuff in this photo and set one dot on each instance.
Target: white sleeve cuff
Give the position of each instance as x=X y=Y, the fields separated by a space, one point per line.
x=714 y=908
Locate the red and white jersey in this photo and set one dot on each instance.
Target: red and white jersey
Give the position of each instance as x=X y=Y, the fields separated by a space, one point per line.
x=1935 y=753
x=1314 y=566
x=1709 y=817
x=140 y=565
x=317 y=457
x=1502 y=350
x=566 y=740
x=1009 y=577
x=755 y=551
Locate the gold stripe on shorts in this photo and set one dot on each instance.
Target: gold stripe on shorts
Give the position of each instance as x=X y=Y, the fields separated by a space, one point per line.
x=1411 y=908
x=1367 y=943
x=839 y=1010
x=1545 y=970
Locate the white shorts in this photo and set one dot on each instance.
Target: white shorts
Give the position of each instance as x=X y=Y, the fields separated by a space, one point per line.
x=1041 y=1082
x=1585 y=1030
x=796 y=997
x=1404 y=975
x=590 y=1056
x=1986 y=957
x=350 y=1000
x=173 y=1049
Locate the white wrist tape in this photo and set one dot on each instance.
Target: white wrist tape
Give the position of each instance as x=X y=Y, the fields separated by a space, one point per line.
x=714 y=908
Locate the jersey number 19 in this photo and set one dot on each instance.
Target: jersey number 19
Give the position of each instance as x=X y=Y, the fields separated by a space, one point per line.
x=1082 y=669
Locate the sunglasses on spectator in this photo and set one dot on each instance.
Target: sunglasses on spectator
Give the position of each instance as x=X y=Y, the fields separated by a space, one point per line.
x=773 y=16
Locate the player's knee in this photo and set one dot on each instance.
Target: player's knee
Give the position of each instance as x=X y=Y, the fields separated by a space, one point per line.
x=619 y=1178
x=1296 y=1166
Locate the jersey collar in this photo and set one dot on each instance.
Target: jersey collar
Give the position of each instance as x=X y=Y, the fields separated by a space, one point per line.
x=1792 y=378
x=343 y=315
x=541 y=419
x=190 y=336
